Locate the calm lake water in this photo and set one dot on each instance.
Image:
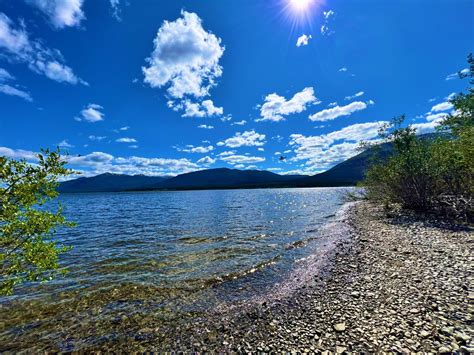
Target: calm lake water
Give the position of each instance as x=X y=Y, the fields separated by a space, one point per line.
x=145 y=259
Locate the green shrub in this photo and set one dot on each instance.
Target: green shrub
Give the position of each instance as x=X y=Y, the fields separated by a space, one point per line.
x=28 y=251
x=430 y=174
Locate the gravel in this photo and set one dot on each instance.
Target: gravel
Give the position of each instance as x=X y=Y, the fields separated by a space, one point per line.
x=399 y=284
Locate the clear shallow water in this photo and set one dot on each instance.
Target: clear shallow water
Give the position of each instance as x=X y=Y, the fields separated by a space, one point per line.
x=147 y=259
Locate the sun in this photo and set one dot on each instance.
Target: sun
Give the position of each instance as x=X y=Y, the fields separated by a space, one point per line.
x=300 y=13
x=301 y=5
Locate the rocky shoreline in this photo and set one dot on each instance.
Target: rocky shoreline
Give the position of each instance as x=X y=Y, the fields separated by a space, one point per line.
x=399 y=284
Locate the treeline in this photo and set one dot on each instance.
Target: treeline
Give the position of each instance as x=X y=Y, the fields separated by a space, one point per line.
x=430 y=175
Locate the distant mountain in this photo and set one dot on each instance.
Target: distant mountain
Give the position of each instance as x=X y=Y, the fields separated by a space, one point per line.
x=346 y=173
x=225 y=178
x=109 y=183
x=350 y=171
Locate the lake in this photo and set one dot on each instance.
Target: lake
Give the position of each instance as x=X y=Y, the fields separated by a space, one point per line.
x=154 y=258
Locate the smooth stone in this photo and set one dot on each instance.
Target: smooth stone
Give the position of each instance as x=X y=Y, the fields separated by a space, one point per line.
x=340 y=327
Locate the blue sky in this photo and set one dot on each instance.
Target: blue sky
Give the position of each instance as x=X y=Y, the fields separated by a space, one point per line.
x=166 y=87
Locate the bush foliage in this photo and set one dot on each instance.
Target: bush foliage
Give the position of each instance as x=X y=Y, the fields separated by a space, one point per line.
x=432 y=174
x=27 y=249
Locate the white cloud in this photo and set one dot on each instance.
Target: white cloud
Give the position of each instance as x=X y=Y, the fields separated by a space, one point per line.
x=91 y=159
x=195 y=109
x=239 y=123
x=65 y=144
x=360 y=93
x=328 y=14
x=242 y=159
x=97 y=138
x=332 y=104
x=227 y=152
x=5 y=76
x=247 y=139
x=192 y=149
x=92 y=113
x=18 y=154
x=325 y=31
x=338 y=111
x=42 y=60
x=435 y=116
x=126 y=140
x=343 y=69
x=7 y=89
x=185 y=59
x=456 y=75
x=212 y=110
x=205 y=126
x=61 y=13
x=443 y=106
x=226 y=118
x=126 y=128
x=276 y=107
x=303 y=40
x=12 y=91
x=323 y=151
x=99 y=162
x=206 y=161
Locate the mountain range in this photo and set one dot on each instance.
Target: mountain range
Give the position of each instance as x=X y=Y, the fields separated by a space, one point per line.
x=346 y=173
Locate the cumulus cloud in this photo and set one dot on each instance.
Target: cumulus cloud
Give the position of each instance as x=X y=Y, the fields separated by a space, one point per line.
x=185 y=59
x=242 y=159
x=18 y=154
x=434 y=117
x=323 y=151
x=443 y=106
x=358 y=94
x=61 y=13
x=65 y=144
x=303 y=40
x=276 y=107
x=99 y=162
x=196 y=109
x=91 y=113
x=227 y=152
x=338 y=111
x=192 y=149
x=126 y=140
x=425 y=127
x=14 y=41
x=206 y=161
x=245 y=139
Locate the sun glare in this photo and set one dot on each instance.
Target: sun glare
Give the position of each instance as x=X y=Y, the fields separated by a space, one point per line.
x=301 y=5
x=301 y=12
